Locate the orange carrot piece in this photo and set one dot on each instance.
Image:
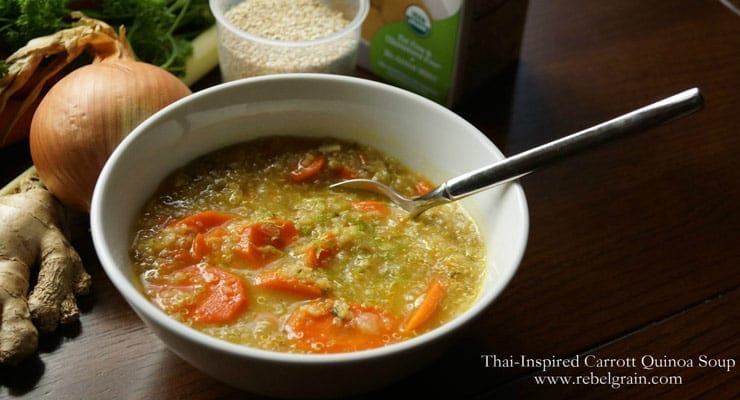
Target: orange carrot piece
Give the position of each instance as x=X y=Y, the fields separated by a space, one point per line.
x=371 y=206
x=224 y=299
x=254 y=256
x=321 y=251
x=345 y=172
x=279 y=282
x=320 y=327
x=263 y=242
x=275 y=232
x=423 y=187
x=308 y=168
x=199 y=248
x=316 y=256
x=421 y=314
x=203 y=221
x=212 y=295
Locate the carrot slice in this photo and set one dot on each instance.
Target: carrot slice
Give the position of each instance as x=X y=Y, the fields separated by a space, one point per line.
x=279 y=282
x=256 y=257
x=332 y=326
x=223 y=299
x=275 y=232
x=429 y=305
x=203 y=221
x=264 y=242
x=199 y=248
x=308 y=168
x=321 y=251
x=371 y=206
x=345 y=172
x=203 y=294
x=423 y=187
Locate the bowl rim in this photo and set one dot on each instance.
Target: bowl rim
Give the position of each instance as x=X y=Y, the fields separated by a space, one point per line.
x=354 y=24
x=140 y=304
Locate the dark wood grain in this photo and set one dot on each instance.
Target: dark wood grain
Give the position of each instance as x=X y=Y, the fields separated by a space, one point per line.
x=633 y=247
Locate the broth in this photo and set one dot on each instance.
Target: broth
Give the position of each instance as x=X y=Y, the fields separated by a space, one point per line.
x=248 y=244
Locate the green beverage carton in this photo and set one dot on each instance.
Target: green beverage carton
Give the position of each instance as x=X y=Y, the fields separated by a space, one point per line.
x=441 y=49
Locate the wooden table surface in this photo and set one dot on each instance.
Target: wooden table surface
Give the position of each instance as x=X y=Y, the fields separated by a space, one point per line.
x=633 y=253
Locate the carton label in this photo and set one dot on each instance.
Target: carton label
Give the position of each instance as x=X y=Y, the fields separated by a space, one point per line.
x=413 y=44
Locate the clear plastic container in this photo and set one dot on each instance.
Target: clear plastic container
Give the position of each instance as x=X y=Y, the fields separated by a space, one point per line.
x=243 y=54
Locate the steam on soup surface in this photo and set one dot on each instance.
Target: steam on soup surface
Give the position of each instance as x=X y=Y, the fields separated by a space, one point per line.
x=248 y=244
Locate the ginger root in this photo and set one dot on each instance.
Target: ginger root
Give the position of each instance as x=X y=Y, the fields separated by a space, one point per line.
x=34 y=233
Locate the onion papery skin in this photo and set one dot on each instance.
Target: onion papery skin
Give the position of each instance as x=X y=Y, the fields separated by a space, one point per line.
x=21 y=126
x=87 y=114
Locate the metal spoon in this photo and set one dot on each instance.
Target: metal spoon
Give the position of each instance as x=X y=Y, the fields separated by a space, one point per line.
x=670 y=108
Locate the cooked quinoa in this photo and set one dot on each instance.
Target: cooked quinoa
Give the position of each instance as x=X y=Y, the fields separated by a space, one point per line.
x=378 y=257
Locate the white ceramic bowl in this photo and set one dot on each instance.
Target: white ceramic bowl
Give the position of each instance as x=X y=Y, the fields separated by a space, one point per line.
x=424 y=135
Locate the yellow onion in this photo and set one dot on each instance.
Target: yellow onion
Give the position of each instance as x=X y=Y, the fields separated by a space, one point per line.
x=87 y=113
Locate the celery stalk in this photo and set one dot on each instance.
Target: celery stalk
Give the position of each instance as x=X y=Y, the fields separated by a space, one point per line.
x=204 y=57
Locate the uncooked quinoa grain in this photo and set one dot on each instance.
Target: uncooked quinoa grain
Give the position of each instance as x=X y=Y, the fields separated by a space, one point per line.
x=285 y=21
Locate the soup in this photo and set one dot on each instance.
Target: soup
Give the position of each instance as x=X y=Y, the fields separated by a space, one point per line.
x=248 y=244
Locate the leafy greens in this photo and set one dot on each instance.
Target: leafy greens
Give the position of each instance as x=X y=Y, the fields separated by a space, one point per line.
x=159 y=31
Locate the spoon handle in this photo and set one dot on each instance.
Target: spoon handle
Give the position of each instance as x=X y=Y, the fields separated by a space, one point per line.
x=670 y=108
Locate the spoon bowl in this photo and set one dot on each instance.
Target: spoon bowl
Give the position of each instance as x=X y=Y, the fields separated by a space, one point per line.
x=644 y=118
x=414 y=206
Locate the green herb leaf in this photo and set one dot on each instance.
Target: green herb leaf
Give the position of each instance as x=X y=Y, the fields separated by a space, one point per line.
x=23 y=20
x=159 y=31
